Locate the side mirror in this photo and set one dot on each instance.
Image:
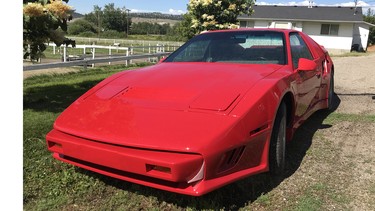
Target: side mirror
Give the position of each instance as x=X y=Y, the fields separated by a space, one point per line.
x=306 y=65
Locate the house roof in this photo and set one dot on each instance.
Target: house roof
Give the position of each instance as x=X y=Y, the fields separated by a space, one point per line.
x=316 y=13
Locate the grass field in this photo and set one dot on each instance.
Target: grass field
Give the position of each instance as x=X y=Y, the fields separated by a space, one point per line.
x=316 y=179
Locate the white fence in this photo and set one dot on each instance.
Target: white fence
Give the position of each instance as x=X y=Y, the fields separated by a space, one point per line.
x=86 y=62
x=124 y=42
x=158 y=48
x=91 y=57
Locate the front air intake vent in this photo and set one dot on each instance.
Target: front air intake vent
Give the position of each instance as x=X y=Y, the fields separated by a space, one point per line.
x=231 y=158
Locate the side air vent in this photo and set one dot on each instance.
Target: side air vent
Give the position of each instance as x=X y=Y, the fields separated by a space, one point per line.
x=259 y=129
x=231 y=158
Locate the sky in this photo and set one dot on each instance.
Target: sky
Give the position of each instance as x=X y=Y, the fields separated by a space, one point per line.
x=179 y=6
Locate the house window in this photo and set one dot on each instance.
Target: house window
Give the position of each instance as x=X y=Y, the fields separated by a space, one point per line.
x=329 y=29
x=243 y=24
x=246 y=24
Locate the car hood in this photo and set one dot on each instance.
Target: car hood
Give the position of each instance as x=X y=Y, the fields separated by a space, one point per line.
x=166 y=103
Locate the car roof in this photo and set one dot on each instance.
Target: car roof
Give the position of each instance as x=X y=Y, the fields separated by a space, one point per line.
x=251 y=29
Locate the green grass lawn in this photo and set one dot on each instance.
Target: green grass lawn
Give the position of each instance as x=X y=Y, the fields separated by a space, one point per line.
x=49 y=184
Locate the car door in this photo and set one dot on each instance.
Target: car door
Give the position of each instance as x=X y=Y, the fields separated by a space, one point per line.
x=307 y=82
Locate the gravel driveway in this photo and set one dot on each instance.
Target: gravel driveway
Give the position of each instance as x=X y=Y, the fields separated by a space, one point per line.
x=355 y=84
x=354 y=140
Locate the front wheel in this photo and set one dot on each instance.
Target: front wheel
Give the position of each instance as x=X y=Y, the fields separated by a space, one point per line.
x=278 y=142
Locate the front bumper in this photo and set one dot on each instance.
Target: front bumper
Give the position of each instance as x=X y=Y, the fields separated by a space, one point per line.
x=184 y=173
x=170 y=171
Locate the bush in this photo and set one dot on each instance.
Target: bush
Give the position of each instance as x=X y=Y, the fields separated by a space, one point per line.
x=145 y=28
x=370 y=18
x=371 y=36
x=112 y=34
x=79 y=26
x=87 y=34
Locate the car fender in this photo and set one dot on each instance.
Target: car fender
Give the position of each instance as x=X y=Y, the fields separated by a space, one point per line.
x=258 y=109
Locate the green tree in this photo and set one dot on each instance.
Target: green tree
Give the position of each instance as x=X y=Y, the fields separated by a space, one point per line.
x=217 y=14
x=146 y=28
x=44 y=21
x=109 y=18
x=114 y=18
x=370 y=18
x=184 y=29
x=95 y=18
x=80 y=26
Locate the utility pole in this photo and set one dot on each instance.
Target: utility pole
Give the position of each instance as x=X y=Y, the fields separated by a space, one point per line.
x=127 y=22
x=355 y=7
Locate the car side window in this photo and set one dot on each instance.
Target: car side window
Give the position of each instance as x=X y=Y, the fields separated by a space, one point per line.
x=299 y=49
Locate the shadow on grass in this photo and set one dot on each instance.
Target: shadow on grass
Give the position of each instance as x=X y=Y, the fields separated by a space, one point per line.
x=243 y=192
x=54 y=98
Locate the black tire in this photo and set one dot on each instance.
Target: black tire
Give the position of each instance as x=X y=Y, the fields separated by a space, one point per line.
x=331 y=93
x=278 y=142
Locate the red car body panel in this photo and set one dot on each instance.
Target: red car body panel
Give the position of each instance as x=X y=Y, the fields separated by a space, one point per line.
x=188 y=127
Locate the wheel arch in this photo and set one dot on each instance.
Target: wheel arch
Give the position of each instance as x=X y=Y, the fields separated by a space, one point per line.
x=289 y=101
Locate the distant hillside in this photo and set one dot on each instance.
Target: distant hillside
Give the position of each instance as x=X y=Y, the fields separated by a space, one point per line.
x=156 y=15
x=150 y=17
x=160 y=21
x=77 y=15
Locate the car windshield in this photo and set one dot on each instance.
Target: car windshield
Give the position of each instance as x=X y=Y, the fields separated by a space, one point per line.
x=248 y=47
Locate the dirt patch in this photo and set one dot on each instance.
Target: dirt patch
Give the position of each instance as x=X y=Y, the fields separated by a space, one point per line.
x=354 y=168
x=371 y=48
x=355 y=75
x=350 y=168
x=355 y=84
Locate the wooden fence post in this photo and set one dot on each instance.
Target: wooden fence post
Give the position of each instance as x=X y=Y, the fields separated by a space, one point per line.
x=127 y=54
x=110 y=53
x=131 y=52
x=93 y=56
x=64 y=54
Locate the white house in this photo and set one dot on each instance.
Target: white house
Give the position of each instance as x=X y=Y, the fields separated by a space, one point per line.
x=338 y=29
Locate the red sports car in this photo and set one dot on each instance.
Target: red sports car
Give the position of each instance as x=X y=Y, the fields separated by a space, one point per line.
x=219 y=109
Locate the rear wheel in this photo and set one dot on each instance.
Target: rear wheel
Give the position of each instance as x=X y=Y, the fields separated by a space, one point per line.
x=278 y=141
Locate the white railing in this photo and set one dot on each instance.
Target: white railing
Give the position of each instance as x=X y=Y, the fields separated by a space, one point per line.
x=124 y=42
x=86 y=62
x=158 y=48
